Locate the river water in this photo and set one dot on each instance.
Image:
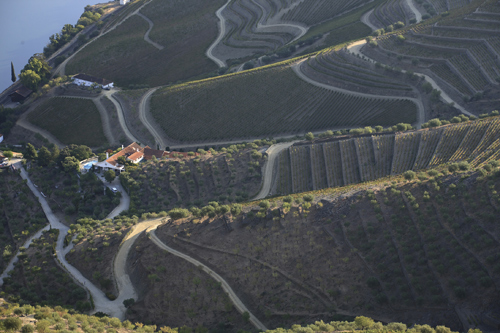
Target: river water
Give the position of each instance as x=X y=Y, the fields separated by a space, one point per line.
x=25 y=28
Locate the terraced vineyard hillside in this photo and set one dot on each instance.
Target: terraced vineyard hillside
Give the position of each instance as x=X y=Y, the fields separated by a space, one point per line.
x=390 y=12
x=341 y=69
x=350 y=160
x=267 y=102
x=461 y=50
x=257 y=27
x=312 y=12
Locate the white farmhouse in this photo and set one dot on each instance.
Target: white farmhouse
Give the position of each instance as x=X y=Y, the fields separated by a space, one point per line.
x=88 y=81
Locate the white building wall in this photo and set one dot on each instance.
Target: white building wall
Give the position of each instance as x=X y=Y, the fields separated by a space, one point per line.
x=82 y=82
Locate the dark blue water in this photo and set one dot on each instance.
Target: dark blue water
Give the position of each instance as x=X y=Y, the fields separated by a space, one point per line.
x=25 y=27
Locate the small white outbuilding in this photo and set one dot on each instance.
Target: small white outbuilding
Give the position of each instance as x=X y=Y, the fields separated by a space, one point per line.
x=88 y=81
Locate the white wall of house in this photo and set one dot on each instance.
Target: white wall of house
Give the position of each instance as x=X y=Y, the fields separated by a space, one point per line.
x=137 y=160
x=123 y=2
x=81 y=82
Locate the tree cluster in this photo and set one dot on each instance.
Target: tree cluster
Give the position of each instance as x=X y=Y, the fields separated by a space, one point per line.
x=69 y=158
x=58 y=40
x=36 y=72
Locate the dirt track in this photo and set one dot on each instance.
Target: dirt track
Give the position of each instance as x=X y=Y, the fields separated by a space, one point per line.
x=146 y=35
x=267 y=174
x=235 y=299
x=121 y=117
x=144 y=104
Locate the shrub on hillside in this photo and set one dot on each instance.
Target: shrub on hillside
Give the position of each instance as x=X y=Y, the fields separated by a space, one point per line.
x=28 y=329
x=12 y=324
x=409 y=175
x=264 y=204
x=308 y=197
x=399 y=25
x=178 y=213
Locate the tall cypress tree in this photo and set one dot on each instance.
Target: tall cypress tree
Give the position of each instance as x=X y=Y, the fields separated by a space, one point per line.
x=12 y=72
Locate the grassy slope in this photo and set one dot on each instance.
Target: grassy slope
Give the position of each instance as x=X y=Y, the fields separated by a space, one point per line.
x=264 y=102
x=72 y=121
x=184 y=28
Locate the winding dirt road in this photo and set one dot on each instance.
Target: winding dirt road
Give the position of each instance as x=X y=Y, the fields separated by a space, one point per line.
x=146 y=35
x=260 y=26
x=101 y=302
x=121 y=117
x=268 y=173
x=29 y=126
x=366 y=20
x=225 y=286
x=222 y=32
x=144 y=104
x=418 y=14
x=126 y=289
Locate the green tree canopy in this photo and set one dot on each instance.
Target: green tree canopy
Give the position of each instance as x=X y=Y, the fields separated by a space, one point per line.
x=39 y=65
x=178 y=213
x=80 y=152
x=44 y=156
x=30 y=79
x=70 y=164
x=109 y=175
x=363 y=322
x=309 y=136
x=30 y=152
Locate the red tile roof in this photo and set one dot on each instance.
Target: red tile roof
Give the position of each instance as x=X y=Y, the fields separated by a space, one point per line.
x=149 y=153
x=136 y=155
x=127 y=151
